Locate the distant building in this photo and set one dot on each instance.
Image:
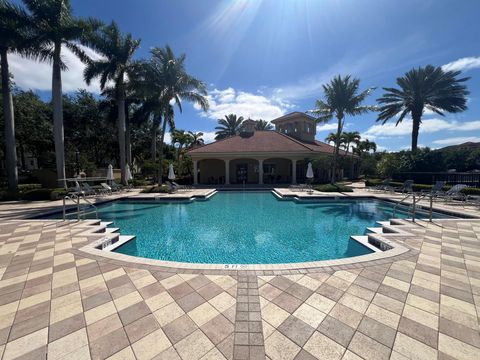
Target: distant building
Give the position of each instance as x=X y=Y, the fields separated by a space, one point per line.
x=277 y=156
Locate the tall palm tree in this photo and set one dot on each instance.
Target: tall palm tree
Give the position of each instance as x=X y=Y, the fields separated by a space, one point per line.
x=230 y=126
x=196 y=138
x=55 y=26
x=365 y=146
x=342 y=98
x=429 y=88
x=348 y=138
x=164 y=76
x=14 y=35
x=263 y=125
x=117 y=50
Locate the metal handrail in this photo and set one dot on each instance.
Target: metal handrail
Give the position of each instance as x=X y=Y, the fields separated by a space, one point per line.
x=80 y=211
x=416 y=198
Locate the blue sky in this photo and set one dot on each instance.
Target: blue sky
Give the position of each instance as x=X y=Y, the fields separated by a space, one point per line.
x=266 y=58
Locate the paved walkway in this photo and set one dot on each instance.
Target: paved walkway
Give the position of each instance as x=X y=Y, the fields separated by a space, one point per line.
x=55 y=302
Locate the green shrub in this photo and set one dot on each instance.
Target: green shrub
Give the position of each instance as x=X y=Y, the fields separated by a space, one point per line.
x=27 y=187
x=9 y=196
x=333 y=188
x=140 y=182
x=57 y=194
x=37 y=194
x=156 y=189
x=471 y=191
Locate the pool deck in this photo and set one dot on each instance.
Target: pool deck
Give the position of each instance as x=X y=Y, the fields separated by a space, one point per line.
x=60 y=300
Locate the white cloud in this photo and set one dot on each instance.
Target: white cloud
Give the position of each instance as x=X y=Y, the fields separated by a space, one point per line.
x=327 y=127
x=463 y=64
x=30 y=74
x=428 y=126
x=241 y=103
x=457 y=140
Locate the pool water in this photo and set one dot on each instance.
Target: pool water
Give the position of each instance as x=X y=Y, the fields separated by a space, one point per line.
x=245 y=227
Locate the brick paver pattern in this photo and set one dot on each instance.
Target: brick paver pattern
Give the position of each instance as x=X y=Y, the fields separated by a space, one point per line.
x=55 y=302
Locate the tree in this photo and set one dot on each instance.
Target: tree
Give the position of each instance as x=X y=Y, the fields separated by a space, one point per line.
x=55 y=26
x=183 y=139
x=230 y=126
x=262 y=125
x=196 y=139
x=341 y=99
x=348 y=138
x=429 y=88
x=117 y=50
x=14 y=34
x=332 y=137
x=164 y=77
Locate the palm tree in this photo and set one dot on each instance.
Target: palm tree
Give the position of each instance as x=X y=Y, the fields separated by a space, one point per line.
x=341 y=99
x=164 y=77
x=183 y=139
x=365 y=146
x=263 y=125
x=196 y=138
x=429 y=88
x=55 y=26
x=230 y=126
x=14 y=35
x=117 y=51
x=348 y=138
x=332 y=137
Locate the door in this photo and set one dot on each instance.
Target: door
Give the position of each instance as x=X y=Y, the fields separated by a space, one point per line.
x=242 y=173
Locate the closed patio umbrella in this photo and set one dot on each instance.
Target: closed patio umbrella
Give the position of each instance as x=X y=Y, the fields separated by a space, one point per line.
x=309 y=171
x=171 y=174
x=110 y=173
x=128 y=173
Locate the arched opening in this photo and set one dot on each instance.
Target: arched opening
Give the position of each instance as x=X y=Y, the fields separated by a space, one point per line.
x=211 y=172
x=244 y=171
x=277 y=171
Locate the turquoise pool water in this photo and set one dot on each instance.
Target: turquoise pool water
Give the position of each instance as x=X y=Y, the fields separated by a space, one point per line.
x=245 y=227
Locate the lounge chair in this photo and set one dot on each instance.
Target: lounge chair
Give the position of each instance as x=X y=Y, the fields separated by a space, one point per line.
x=454 y=193
x=107 y=190
x=117 y=187
x=384 y=186
x=406 y=188
x=170 y=186
x=436 y=189
x=77 y=190
x=88 y=190
x=185 y=187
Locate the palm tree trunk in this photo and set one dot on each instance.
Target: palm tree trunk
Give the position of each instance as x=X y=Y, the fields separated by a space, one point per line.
x=162 y=137
x=416 y=128
x=128 y=138
x=154 y=141
x=337 y=149
x=58 y=116
x=10 y=147
x=121 y=131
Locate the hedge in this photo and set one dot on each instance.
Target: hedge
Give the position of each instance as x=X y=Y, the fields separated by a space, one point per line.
x=156 y=189
x=333 y=188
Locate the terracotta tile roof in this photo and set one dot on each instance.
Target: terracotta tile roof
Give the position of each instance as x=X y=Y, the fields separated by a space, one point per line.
x=263 y=141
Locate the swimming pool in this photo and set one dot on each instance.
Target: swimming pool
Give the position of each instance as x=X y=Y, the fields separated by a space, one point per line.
x=246 y=228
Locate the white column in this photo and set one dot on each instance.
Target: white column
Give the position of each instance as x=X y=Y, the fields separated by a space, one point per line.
x=260 y=171
x=195 y=172
x=294 y=172
x=227 y=172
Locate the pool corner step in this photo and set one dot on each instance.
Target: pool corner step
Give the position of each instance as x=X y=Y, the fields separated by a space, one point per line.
x=122 y=239
x=111 y=230
x=375 y=230
x=106 y=223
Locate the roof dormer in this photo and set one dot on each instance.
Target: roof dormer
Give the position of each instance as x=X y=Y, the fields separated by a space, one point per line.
x=297 y=125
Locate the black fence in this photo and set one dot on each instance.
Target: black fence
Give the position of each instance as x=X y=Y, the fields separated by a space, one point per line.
x=452 y=178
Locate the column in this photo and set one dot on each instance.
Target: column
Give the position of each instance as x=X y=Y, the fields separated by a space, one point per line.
x=227 y=172
x=195 y=172
x=260 y=171
x=294 y=172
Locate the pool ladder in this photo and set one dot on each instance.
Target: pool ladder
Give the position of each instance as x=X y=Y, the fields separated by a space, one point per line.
x=413 y=208
x=82 y=209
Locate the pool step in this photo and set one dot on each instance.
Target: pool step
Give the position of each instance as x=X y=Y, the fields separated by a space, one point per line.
x=122 y=239
x=364 y=240
x=111 y=230
x=375 y=230
x=106 y=223
x=383 y=223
